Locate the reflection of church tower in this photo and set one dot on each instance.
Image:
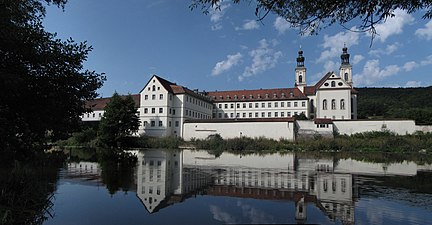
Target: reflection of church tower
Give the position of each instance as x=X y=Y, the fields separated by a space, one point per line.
x=345 y=70
x=300 y=72
x=300 y=215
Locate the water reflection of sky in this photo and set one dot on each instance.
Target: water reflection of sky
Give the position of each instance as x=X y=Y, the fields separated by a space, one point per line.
x=196 y=189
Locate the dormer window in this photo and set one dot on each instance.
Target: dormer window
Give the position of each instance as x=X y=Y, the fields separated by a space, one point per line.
x=251 y=96
x=259 y=96
x=274 y=95
x=221 y=97
x=243 y=97
x=267 y=96
x=228 y=97
x=235 y=97
x=283 y=95
x=291 y=94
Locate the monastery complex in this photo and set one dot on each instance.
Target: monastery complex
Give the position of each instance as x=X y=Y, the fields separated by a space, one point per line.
x=169 y=109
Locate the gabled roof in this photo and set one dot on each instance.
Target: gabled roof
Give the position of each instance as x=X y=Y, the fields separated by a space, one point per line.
x=100 y=103
x=257 y=95
x=311 y=90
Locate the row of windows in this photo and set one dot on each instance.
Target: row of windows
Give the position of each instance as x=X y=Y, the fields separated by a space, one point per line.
x=160 y=123
x=93 y=115
x=198 y=102
x=153 y=110
x=263 y=105
x=196 y=115
x=256 y=115
x=333 y=104
x=153 y=97
x=258 y=96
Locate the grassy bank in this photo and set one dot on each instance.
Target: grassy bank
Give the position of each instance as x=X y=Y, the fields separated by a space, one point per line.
x=363 y=142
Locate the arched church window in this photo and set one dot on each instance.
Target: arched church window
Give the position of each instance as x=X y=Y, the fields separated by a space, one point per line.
x=325 y=104
x=342 y=104
x=154 y=88
x=300 y=79
x=333 y=84
x=333 y=104
x=346 y=76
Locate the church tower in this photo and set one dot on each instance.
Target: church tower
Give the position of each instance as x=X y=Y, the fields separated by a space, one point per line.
x=300 y=72
x=345 y=69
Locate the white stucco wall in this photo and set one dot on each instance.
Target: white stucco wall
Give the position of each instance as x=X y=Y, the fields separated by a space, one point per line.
x=275 y=130
x=400 y=127
x=96 y=115
x=424 y=129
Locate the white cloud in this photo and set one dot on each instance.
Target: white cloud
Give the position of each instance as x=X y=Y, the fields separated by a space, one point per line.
x=408 y=66
x=334 y=44
x=387 y=51
x=249 y=25
x=263 y=58
x=222 y=216
x=281 y=25
x=330 y=66
x=216 y=15
x=427 y=61
x=227 y=64
x=393 y=25
x=413 y=83
x=425 y=32
x=356 y=59
x=372 y=73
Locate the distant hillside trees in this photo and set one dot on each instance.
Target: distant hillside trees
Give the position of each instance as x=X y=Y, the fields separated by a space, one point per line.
x=401 y=103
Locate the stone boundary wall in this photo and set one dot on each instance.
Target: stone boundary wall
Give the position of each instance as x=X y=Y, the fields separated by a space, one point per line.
x=424 y=129
x=274 y=130
x=349 y=127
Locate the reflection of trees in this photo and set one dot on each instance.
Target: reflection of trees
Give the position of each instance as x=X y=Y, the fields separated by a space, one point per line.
x=117 y=170
x=26 y=193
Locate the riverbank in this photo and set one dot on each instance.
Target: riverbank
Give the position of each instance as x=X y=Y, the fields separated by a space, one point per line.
x=363 y=142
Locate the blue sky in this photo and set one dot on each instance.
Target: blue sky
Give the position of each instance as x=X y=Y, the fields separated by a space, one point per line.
x=229 y=49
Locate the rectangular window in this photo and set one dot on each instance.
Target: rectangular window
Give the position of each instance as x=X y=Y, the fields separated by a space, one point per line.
x=303 y=104
x=282 y=104
x=256 y=114
x=160 y=123
x=220 y=115
x=263 y=114
x=276 y=104
x=176 y=123
x=269 y=104
x=263 y=105
x=256 y=105
x=250 y=105
x=152 y=123
x=160 y=110
x=232 y=115
x=282 y=114
x=288 y=104
x=161 y=96
x=295 y=104
x=220 y=106
x=238 y=105
x=226 y=115
x=232 y=106
x=153 y=110
x=173 y=111
x=269 y=114
x=237 y=115
x=276 y=114
x=226 y=106
x=153 y=97
x=145 y=110
x=244 y=115
x=289 y=114
x=169 y=123
x=145 y=123
x=145 y=97
x=244 y=105
x=250 y=115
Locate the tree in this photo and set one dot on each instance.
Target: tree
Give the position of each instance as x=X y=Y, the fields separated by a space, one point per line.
x=119 y=120
x=43 y=86
x=312 y=16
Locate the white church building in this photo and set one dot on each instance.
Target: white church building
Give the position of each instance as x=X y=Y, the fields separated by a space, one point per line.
x=168 y=109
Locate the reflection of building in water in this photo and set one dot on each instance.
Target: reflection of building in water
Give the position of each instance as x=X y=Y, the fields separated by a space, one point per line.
x=85 y=172
x=162 y=180
x=168 y=177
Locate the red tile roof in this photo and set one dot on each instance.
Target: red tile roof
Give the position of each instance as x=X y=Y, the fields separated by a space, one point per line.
x=100 y=103
x=257 y=95
x=241 y=120
x=323 y=121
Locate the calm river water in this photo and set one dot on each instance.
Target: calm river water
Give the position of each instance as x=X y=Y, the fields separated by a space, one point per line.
x=195 y=187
